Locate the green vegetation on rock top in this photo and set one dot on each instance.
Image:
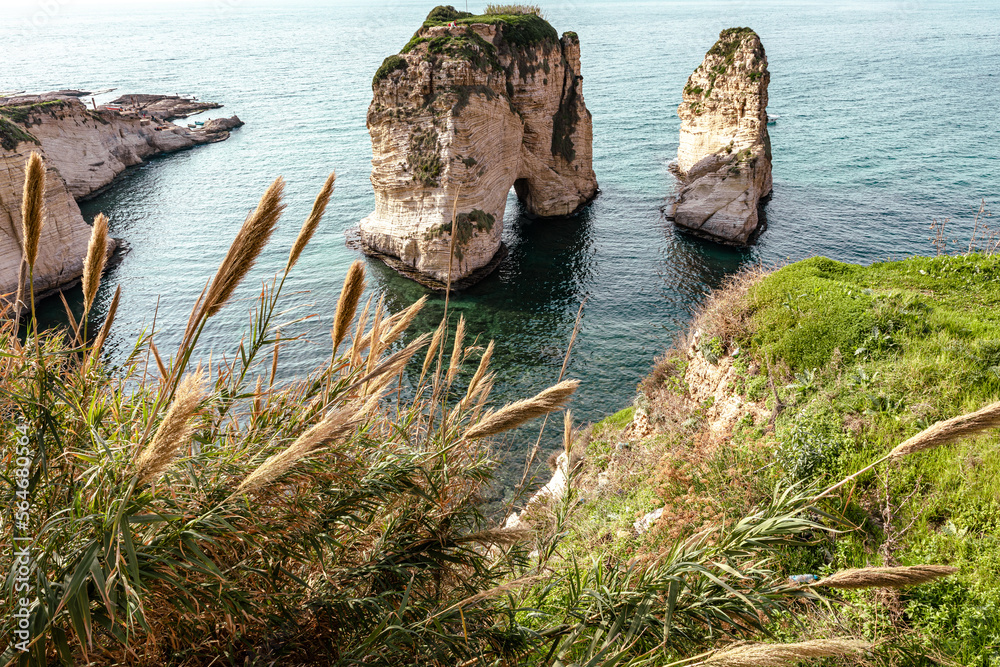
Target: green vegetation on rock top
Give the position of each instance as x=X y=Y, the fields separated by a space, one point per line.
x=521 y=30
x=21 y=113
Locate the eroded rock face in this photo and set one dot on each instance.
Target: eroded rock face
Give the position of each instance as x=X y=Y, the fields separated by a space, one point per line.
x=84 y=150
x=462 y=114
x=724 y=157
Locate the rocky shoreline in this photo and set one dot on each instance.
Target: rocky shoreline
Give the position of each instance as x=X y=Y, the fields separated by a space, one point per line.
x=84 y=149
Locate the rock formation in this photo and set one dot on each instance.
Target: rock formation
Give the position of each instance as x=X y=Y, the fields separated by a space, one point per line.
x=84 y=150
x=724 y=158
x=472 y=106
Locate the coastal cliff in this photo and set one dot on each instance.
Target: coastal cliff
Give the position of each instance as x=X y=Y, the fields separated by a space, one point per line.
x=84 y=150
x=724 y=157
x=472 y=106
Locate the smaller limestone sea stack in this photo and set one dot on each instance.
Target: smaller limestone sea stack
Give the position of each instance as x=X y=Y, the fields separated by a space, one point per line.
x=724 y=157
x=472 y=106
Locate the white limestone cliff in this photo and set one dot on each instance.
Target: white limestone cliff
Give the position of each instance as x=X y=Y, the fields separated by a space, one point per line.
x=724 y=157
x=84 y=150
x=464 y=113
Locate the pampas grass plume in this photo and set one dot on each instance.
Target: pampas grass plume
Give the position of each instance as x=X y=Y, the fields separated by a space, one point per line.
x=885 y=577
x=175 y=430
x=246 y=247
x=347 y=304
x=94 y=262
x=312 y=222
x=31 y=207
x=513 y=415
x=778 y=655
x=335 y=425
x=950 y=430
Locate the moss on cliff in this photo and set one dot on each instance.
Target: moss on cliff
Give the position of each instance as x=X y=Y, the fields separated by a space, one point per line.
x=389 y=65
x=11 y=135
x=444 y=14
x=22 y=113
x=466 y=225
x=424 y=159
x=464 y=93
x=467 y=46
x=729 y=43
x=564 y=121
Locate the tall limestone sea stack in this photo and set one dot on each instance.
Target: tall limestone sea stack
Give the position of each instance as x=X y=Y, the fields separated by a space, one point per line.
x=472 y=106
x=84 y=150
x=724 y=158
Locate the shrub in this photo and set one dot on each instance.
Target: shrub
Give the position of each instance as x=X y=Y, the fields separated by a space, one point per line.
x=389 y=65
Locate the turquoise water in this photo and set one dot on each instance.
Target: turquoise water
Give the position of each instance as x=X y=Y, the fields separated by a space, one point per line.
x=887 y=119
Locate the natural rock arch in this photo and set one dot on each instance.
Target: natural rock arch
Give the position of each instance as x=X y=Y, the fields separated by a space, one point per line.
x=472 y=106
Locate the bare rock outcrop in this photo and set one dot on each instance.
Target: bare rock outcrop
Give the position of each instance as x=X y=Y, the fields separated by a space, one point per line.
x=84 y=150
x=165 y=107
x=724 y=157
x=472 y=106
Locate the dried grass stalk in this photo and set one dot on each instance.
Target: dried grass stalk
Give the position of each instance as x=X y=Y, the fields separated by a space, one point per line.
x=32 y=203
x=375 y=335
x=312 y=222
x=175 y=430
x=456 y=351
x=514 y=414
x=950 y=430
x=359 y=329
x=777 y=655
x=885 y=577
x=568 y=434
x=334 y=426
x=390 y=366
x=477 y=378
x=401 y=321
x=432 y=350
x=109 y=319
x=245 y=248
x=94 y=262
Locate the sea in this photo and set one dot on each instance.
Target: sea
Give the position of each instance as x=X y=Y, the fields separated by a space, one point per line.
x=885 y=120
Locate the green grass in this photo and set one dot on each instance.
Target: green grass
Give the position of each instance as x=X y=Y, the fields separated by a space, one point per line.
x=22 y=113
x=872 y=355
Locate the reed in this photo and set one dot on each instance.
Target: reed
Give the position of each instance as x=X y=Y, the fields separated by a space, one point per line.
x=312 y=222
x=95 y=260
x=433 y=348
x=32 y=204
x=334 y=426
x=514 y=414
x=457 y=350
x=245 y=248
x=885 y=577
x=174 y=431
x=776 y=655
x=950 y=430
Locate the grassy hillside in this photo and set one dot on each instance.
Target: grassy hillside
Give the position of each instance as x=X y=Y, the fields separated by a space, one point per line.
x=835 y=365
